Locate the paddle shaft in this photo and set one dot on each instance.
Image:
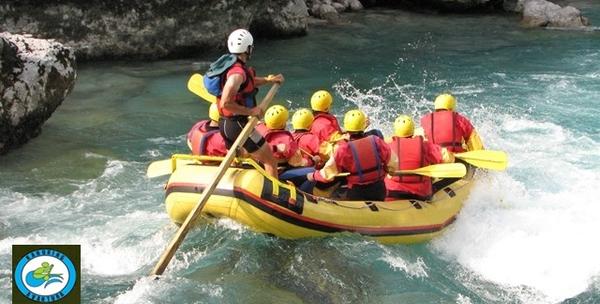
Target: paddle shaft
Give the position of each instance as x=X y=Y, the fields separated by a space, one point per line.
x=305 y=152
x=185 y=227
x=437 y=170
x=399 y=172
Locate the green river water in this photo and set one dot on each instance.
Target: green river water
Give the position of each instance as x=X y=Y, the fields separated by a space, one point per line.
x=526 y=235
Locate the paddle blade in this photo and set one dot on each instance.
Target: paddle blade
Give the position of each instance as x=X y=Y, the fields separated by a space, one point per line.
x=196 y=86
x=456 y=170
x=487 y=159
x=164 y=167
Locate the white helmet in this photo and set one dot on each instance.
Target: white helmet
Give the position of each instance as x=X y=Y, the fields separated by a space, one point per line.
x=239 y=41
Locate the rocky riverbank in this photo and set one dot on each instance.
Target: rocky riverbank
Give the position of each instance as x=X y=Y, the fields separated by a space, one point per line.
x=108 y=29
x=151 y=29
x=36 y=74
x=35 y=77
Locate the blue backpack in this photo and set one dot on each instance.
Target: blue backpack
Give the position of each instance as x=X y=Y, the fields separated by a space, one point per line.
x=216 y=73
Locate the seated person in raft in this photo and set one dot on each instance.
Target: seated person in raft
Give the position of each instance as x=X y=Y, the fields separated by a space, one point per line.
x=284 y=147
x=367 y=159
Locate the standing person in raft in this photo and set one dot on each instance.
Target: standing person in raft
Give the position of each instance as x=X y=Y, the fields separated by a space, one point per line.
x=449 y=129
x=366 y=157
x=204 y=138
x=412 y=152
x=235 y=85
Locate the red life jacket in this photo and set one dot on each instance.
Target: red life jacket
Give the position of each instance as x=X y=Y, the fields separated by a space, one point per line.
x=324 y=125
x=246 y=93
x=199 y=136
x=307 y=142
x=276 y=137
x=410 y=156
x=368 y=166
x=441 y=129
x=299 y=134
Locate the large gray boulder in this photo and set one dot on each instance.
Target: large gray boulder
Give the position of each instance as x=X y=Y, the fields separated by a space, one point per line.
x=35 y=77
x=537 y=13
x=107 y=29
x=331 y=9
x=281 y=18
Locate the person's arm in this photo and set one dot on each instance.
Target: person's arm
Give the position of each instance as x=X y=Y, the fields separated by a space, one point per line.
x=392 y=166
x=435 y=154
x=327 y=173
x=472 y=140
x=228 y=98
x=296 y=160
x=387 y=156
x=259 y=81
x=337 y=136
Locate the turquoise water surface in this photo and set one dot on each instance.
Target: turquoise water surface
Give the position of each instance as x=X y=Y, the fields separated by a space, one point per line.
x=526 y=235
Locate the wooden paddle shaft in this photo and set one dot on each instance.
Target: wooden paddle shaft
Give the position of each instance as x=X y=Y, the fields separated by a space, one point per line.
x=185 y=227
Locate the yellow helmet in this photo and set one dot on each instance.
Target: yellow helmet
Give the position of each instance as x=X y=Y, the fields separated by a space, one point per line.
x=446 y=102
x=276 y=117
x=355 y=121
x=302 y=119
x=321 y=101
x=404 y=126
x=213 y=112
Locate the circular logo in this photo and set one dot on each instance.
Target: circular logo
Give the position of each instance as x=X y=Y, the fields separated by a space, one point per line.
x=45 y=275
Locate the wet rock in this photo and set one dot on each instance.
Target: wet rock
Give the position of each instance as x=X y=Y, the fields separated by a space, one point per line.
x=107 y=29
x=35 y=77
x=515 y=6
x=539 y=13
x=327 y=11
x=331 y=9
x=282 y=18
x=339 y=7
x=355 y=5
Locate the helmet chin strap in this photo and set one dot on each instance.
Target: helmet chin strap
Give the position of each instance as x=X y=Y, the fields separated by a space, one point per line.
x=249 y=52
x=244 y=56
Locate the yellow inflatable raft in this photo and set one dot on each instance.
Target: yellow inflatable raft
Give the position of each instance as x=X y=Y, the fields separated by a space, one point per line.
x=247 y=195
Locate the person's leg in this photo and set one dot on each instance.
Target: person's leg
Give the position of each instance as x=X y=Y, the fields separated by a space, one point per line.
x=296 y=175
x=307 y=187
x=265 y=156
x=256 y=146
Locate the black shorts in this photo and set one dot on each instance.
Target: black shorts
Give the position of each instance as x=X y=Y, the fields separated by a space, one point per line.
x=231 y=127
x=369 y=192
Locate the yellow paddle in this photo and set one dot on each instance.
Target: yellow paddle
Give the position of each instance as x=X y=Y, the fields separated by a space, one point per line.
x=193 y=215
x=439 y=171
x=487 y=159
x=166 y=166
x=196 y=86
